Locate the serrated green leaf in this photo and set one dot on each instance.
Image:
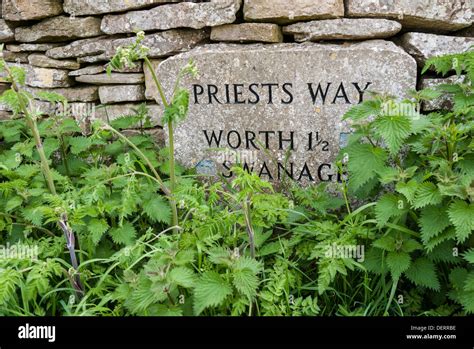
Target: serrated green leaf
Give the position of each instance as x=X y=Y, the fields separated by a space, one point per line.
x=398 y=262
x=461 y=214
x=386 y=243
x=157 y=209
x=433 y=220
x=123 y=235
x=97 y=228
x=389 y=206
x=246 y=282
x=13 y=203
x=422 y=272
x=211 y=290
x=79 y=144
x=469 y=256
x=363 y=110
x=374 y=260
x=427 y=194
x=124 y=122
x=393 y=130
x=183 y=276
x=50 y=145
x=410 y=245
x=364 y=163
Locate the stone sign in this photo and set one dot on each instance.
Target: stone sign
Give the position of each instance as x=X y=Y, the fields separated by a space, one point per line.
x=277 y=109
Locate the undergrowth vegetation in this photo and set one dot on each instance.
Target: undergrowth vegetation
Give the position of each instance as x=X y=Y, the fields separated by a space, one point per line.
x=121 y=229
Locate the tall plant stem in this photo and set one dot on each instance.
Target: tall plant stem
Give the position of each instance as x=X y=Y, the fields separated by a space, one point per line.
x=172 y=200
x=47 y=173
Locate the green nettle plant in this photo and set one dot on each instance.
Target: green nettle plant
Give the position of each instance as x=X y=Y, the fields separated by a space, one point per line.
x=146 y=237
x=420 y=170
x=20 y=102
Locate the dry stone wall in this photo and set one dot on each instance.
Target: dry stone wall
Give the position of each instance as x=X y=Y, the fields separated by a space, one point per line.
x=275 y=75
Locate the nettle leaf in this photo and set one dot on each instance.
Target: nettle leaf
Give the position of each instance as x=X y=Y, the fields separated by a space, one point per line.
x=364 y=110
x=364 y=163
x=50 y=145
x=79 y=144
x=158 y=209
x=444 y=252
x=374 y=260
x=461 y=214
x=211 y=290
x=433 y=220
x=386 y=243
x=123 y=235
x=445 y=236
x=246 y=282
x=34 y=215
x=393 y=129
x=97 y=228
x=469 y=256
x=423 y=273
x=407 y=189
x=13 y=203
x=428 y=94
x=398 y=262
x=183 y=276
x=410 y=245
x=427 y=194
x=389 y=206
x=124 y=122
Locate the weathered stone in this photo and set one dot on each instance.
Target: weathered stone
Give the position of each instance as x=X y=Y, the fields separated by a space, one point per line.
x=18 y=57
x=40 y=60
x=423 y=46
x=81 y=7
x=81 y=48
x=114 y=111
x=343 y=29
x=151 y=89
x=59 y=28
x=6 y=33
x=283 y=11
x=25 y=10
x=420 y=14
x=31 y=47
x=114 y=78
x=89 y=70
x=247 y=32
x=256 y=111
x=121 y=93
x=72 y=94
x=45 y=77
x=102 y=49
x=97 y=69
x=184 y=14
x=443 y=102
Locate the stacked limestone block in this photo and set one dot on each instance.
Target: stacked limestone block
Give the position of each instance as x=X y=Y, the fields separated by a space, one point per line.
x=65 y=45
